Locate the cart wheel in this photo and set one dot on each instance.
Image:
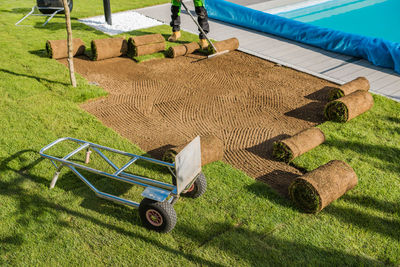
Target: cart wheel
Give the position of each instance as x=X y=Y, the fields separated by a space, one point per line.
x=157 y=216
x=198 y=188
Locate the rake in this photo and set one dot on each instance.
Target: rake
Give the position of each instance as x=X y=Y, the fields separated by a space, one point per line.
x=202 y=31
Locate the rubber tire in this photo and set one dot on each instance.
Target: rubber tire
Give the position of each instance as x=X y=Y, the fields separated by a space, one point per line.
x=53 y=3
x=166 y=210
x=200 y=187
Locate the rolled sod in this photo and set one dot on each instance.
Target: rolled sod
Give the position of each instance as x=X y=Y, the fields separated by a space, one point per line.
x=290 y=148
x=147 y=49
x=315 y=190
x=361 y=83
x=145 y=44
x=58 y=49
x=182 y=50
x=109 y=48
x=229 y=44
x=349 y=106
x=146 y=39
x=212 y=149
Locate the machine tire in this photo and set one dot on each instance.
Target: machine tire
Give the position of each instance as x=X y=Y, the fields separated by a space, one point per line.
x=157 y=216
x=52 y=3
x=198 y=188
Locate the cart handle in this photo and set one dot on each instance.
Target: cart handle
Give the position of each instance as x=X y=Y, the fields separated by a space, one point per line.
x=159 y=162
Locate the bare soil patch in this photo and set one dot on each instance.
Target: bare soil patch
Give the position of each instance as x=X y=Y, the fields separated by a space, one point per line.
x=245 y=101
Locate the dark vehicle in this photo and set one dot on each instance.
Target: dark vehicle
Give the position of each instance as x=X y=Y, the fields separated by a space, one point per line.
x=51 y=6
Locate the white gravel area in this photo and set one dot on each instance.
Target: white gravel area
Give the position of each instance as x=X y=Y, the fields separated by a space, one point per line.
x=121 y=22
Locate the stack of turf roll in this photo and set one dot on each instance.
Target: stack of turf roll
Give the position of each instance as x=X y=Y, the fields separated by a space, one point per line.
x=317 y=189
x=288 y=149
x=349 y=106
x=226 y=45
x=58 y=49
x=108 y=48
x=182 y=50
x=212 y=149
x=145 y=44
x=361 y=83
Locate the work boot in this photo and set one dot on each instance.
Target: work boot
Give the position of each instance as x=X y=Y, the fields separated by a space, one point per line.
x=175 y=36
x=203 y=43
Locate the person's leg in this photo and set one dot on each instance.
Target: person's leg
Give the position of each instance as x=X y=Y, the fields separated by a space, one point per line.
x=175 y=20
x=202 y=18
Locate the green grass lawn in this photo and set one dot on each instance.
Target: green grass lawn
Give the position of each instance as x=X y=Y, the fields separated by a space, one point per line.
x=238 y=222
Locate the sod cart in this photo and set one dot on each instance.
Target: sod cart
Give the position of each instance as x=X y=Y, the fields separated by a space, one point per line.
x=48 y=8
x=156 y=209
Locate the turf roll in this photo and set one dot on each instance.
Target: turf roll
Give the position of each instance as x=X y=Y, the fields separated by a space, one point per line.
x=361 y=83
x=212 y=149
x=228 y=44
x=147 y=49
x=145 y=44
x=58 y=49
x=146 y=39
x=315 y=190
x=182 y=50
x=108 y=48
x=349 y=106
x=288 y=149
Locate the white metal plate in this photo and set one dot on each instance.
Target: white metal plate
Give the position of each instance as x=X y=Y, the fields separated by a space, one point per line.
x=188 y=164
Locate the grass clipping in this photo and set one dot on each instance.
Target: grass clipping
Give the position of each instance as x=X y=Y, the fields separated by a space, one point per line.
x=361 y=83
x=212 y=149
x=348 y=107
x=315 y=190
x=290 y=148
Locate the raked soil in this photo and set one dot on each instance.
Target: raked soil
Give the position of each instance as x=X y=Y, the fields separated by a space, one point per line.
x=245 y=101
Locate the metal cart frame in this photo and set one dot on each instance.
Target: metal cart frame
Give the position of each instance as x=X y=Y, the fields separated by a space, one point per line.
x=31 y=13
x=186 y=170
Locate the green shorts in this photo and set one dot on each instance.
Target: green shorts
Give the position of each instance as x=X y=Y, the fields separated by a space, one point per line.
x=196 y=3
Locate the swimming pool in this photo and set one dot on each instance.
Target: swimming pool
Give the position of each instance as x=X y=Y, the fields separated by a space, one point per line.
x=374 y=18
x=379 y=51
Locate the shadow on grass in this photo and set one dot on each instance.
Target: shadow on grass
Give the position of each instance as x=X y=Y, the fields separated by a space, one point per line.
x=384 y=226
x=380 y=152
x=279 y=180
x=394 y=124
x=393 y=119
x=60 y=26
x=39 y=79
x=68 y=182
x=370 y=202
x=235 y=240
x=18 y=10
x=260 y=189
x=31 y=206
x=40 y=53
x=267 y=249
x=10 y=243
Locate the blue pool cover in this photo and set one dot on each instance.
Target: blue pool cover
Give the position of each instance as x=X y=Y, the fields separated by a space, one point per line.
x=378 y=51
